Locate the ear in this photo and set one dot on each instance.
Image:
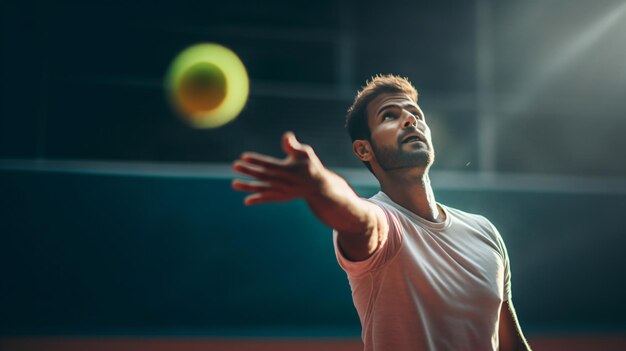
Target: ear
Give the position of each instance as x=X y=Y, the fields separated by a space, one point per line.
x=363 y=150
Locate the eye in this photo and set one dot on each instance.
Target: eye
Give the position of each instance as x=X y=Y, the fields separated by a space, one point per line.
x=387 y=116
x=417 y=115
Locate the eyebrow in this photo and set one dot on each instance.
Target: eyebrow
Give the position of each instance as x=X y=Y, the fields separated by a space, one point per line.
x=396 y=105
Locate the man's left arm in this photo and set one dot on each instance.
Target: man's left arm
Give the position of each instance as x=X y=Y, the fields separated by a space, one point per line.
x=510 y=332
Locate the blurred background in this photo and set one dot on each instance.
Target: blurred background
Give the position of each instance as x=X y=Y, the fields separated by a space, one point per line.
x=118 y=226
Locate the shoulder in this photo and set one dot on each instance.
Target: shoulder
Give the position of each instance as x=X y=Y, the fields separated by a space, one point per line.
x=478 y=222
x=397 y=217
x=484 y=228
x=380 y=199
x=384 y=203
x=473 y=219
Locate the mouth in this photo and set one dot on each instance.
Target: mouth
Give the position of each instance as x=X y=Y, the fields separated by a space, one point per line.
x=413 y=138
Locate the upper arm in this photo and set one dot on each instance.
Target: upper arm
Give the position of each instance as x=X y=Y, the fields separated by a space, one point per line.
x=360 y=246
x=509 y=330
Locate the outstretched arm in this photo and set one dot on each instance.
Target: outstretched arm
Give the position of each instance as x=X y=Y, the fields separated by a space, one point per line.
x=301 y=175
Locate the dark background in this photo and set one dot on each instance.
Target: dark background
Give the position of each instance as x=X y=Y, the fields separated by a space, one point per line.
x=117 y=217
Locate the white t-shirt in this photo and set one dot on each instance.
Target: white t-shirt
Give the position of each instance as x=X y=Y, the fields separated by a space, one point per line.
x=430 y=286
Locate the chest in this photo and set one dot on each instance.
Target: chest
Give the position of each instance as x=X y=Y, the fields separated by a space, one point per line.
x=459 y=263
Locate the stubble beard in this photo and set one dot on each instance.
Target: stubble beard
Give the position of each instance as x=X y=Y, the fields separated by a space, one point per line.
x=391 y=159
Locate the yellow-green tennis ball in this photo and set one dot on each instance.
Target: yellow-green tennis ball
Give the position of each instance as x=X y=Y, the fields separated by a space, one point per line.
x=202 y=87
x=208 y=85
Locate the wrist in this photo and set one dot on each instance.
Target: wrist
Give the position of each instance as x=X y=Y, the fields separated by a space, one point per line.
x=329 y=186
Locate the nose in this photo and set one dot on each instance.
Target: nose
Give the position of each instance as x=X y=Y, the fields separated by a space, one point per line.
x=409 y=120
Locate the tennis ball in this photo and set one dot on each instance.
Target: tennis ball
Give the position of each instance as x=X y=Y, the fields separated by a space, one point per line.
x=207 y=85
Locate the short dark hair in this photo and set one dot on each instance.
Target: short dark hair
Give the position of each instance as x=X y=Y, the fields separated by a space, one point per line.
x=356 y=119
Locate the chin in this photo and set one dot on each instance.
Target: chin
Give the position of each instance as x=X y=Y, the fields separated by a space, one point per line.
x=422 y=159
x=422 y=162
x=391 y=159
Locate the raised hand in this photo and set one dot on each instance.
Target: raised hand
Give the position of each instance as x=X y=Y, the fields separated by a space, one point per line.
x=299 y=175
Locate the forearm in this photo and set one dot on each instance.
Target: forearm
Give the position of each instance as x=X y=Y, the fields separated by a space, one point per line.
x=339 y=207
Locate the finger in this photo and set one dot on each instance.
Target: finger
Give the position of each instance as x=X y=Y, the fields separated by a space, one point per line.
x=265 y=197
x=265 y=161
x=250 y=187
x=271 y=170
x=292 y=147
x=257 y=172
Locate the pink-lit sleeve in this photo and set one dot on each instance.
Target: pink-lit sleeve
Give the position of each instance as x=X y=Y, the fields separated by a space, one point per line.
x=386 y=250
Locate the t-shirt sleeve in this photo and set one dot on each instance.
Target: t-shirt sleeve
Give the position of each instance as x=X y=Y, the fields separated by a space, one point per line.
x=507 y=273
x=386 y=250
x=507 y=265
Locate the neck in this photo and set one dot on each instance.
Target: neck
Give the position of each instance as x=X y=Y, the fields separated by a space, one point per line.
x=412 y=190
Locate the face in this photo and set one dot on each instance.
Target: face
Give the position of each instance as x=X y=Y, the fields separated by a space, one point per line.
x=400 y=137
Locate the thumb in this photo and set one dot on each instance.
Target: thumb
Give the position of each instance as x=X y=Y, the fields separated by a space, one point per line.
x=291 y=145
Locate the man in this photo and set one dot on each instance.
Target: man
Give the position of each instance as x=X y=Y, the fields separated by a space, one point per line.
x=424 y=276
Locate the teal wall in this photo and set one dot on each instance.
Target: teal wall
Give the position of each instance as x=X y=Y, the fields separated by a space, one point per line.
x=89 y=253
